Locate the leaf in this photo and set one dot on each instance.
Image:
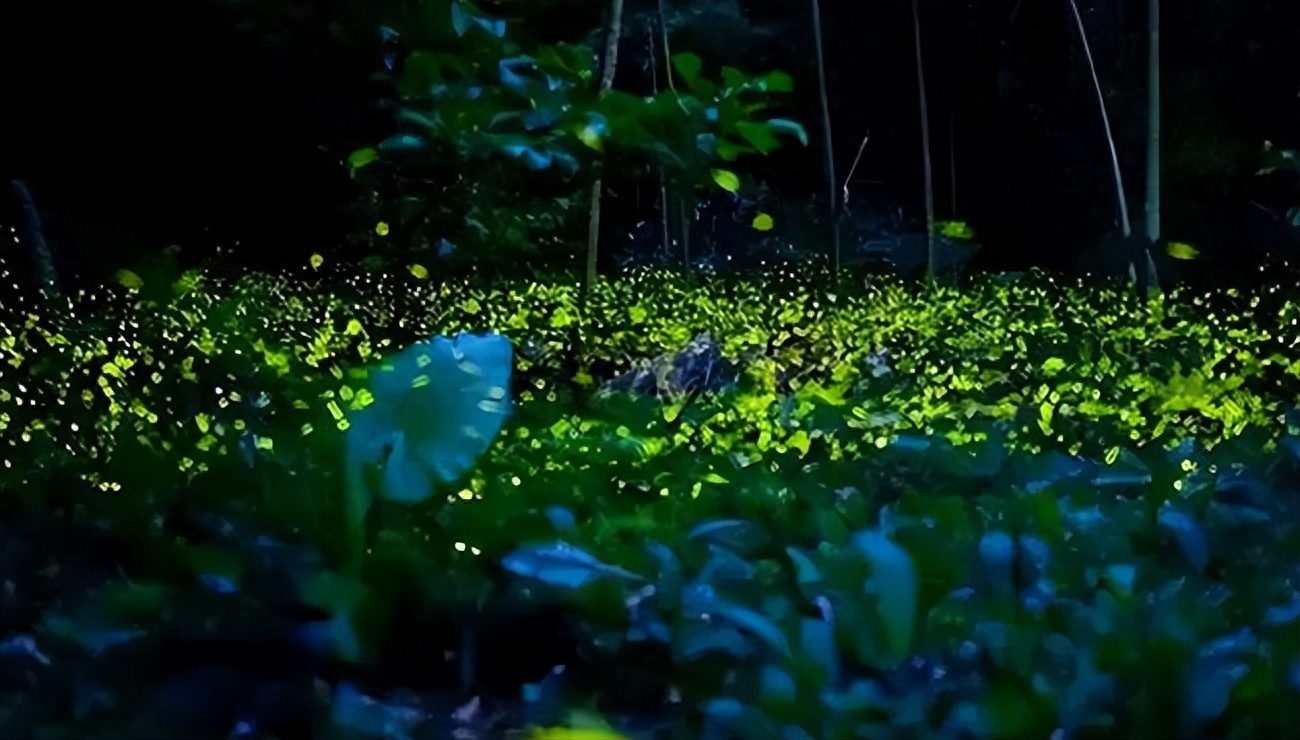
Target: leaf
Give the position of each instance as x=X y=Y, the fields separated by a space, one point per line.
x=419 y=271
x=688 y=66
x=788 y=128
x=759 y=135
x=1191 y=538
x=736 y=534
x=776 y=684
x=561 y=564
x=727 y=180
x=401 y=142
x=776 y=82
x=128 y=279
x=762 y=222
x=460 y=20
x=91 y=638
x=1181 y=251
x=362 y=157
x=594 y=132
x=806 y=571
x=894 y=582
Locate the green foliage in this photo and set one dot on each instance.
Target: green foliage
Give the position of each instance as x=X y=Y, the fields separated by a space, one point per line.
x=496 y=140
x=1005 y=510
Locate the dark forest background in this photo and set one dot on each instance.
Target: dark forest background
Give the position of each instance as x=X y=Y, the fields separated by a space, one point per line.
x=143 y=123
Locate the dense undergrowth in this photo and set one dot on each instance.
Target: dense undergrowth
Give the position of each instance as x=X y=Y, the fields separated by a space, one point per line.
x=791 y=508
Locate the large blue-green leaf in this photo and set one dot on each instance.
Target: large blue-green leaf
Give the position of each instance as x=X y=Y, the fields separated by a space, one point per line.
x=735 y=534
x=893 y=580
x=563 y=565
x=725 y=565
x=1187 y=531
x=695 y=640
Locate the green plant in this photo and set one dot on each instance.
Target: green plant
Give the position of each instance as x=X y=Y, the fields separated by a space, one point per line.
x=497 y=140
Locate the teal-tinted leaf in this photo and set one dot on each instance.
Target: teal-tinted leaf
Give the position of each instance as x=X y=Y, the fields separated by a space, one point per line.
x=817 y=642
x=997 y=553
x=1127 y=470
x=786 y=127
x=1285 y=614
x=460 y=20
x=1209 y=684
x=561 y=518
x=406 y=115
x=544 y=700
x=893 y=580
x=92 y=638
x=401 y=142
x=776 y=684
x=218 y=583
x=725 y=565
x=695 y=640
x=431 y=430
x=756 y=624
x=910 y=443
x=726 y=717
x=562 y=565
x=735 y=534
x=668 y=587
x=532 y=158
x=1187 y=531
x=1034 y=555
x=494 y=26
x=539 y=119
x=860 y=696
x=351 y=709
x=806 y=571
x=513 y=73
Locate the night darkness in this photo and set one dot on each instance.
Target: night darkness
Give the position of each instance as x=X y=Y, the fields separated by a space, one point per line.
x=142 y=124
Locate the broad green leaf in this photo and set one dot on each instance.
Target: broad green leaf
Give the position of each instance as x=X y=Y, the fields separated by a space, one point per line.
x=688 y=66
x=128 y=279
x=727 y=180
x=893 y=580
x=1181 y=251
x=362 y=157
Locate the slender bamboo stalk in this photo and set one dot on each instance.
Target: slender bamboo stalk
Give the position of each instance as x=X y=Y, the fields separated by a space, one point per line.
x=1153 y=138
x=1125 y=224
x=606 y=83
x=925 y=146
x=826 y=135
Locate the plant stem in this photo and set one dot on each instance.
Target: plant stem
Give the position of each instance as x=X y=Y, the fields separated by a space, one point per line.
x=826 y=135
x=925 y=147
x=606 y=83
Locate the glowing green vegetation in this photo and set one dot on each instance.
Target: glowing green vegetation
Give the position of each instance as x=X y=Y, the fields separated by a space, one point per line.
x=1005 y=509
